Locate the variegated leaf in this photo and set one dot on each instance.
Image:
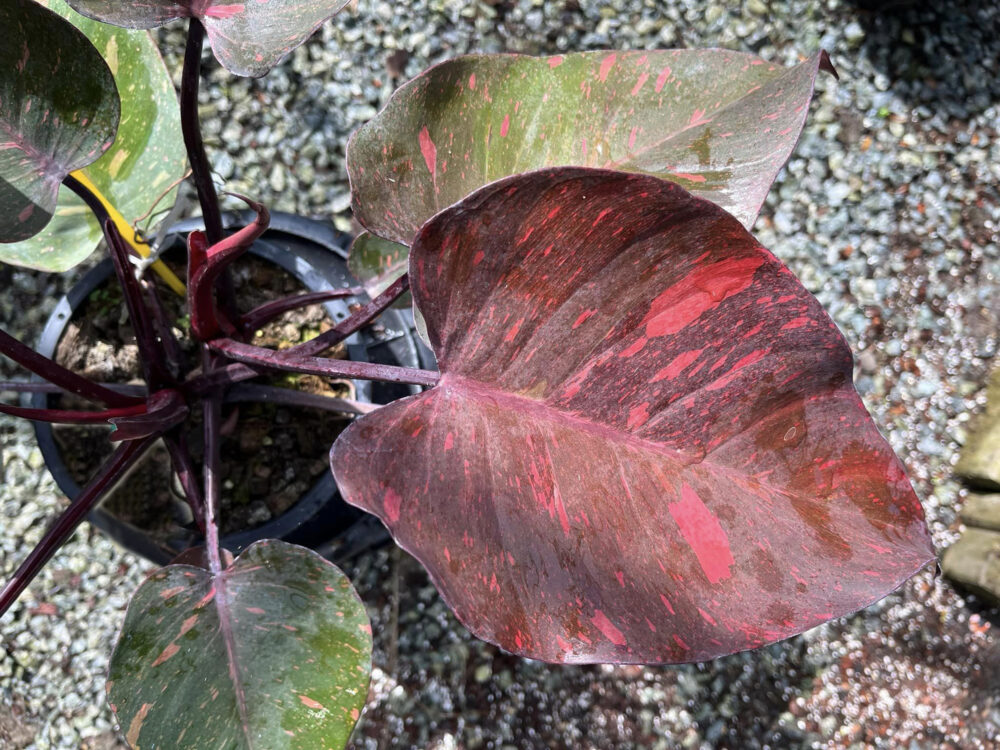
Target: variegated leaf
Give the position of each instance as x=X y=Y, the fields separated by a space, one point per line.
x=718 y=122
x=146 y=158
x=248 y=38
x=59 y=111
x=645 y=445
x=273 y=653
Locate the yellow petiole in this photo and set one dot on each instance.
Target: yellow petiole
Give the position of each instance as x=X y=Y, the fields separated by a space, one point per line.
x=129 y=235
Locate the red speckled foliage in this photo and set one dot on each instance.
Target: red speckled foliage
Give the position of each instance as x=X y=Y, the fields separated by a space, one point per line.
x=645 y=445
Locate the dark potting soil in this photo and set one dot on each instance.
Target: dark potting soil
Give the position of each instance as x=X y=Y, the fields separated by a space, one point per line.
x=270 y=454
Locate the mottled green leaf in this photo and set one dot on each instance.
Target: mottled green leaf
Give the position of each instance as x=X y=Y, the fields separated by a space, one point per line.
x=146 y=158
x=376 y=263
x=720 y=123
x=58 y=112
x=274 y=653
x=248 y=38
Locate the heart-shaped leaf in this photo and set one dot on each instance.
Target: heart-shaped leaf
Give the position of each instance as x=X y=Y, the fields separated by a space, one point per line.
x=376 y=263
x=718 y=122
x=645 y=445
x=145 y=159
x=274 y=652
x=58 y=112
x=248 y=38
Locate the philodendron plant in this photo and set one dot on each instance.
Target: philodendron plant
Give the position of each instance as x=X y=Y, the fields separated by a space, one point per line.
x=643 y=444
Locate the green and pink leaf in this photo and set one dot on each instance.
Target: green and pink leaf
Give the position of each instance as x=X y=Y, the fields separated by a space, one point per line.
x=376 y=263
x=718 y=122
x=146 y=158
x=59 y=111
x=248 y=38
x=274 y=652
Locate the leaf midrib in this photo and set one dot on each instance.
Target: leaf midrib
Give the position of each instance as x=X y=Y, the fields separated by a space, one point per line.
x=479 y=390
x=223 y=608
x=49 y=167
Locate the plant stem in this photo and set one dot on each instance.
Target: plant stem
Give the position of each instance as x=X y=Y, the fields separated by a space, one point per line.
x=299 y=358
x=119 y=462
x=59 y=375
x=290 y=397
x=80 y=184
x=163 y=328
x=207 y=264
x=212 y=409
x=151 y=354
x=22 y=386
x=165 y=410
x=65 y=416
x=183 y=465
x=225 y=375
x=201 y=171
x=92 y=201
x=264 y=314
x=355 y=322
x=328 y=368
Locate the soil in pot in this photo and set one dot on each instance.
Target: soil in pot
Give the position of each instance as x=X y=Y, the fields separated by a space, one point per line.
x=271 y=454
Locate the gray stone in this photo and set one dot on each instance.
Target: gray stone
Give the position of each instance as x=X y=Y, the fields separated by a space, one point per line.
x=979 y=463
x=277 y=178
x=974 y=562
x=982 y=511
x=867 y=362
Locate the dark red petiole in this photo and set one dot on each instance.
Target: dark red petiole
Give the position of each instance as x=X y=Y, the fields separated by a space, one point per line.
x=124 y=457
x=151 y=353
x=253 y=357
x=201 y=169
x=362 y=317
x=162 y=326
x=166 y=409
x=212 y=411
x=267 y=312
x=205 y=265
x=68 y=416
x=60 y=376
x=183 y=465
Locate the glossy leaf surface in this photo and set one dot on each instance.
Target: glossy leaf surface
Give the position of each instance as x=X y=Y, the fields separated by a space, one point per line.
x=58 y=112
x=645 y=445
x=273 y=653
x=376 y=263
x=718 y=122
x=145 y=159
x=248 y=38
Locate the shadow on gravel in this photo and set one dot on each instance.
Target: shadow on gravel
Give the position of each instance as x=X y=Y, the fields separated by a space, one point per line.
x=945 y=55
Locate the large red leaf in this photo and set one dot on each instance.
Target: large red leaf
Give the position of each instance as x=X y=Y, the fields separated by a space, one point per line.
x=645 y=445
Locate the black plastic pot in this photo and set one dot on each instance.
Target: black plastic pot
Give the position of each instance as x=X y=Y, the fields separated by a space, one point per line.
x=314 y=253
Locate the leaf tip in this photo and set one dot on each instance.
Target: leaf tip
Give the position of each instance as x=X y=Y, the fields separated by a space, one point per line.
x=826 y=64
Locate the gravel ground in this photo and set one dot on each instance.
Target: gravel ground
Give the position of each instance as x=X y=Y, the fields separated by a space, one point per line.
x=889 y=212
